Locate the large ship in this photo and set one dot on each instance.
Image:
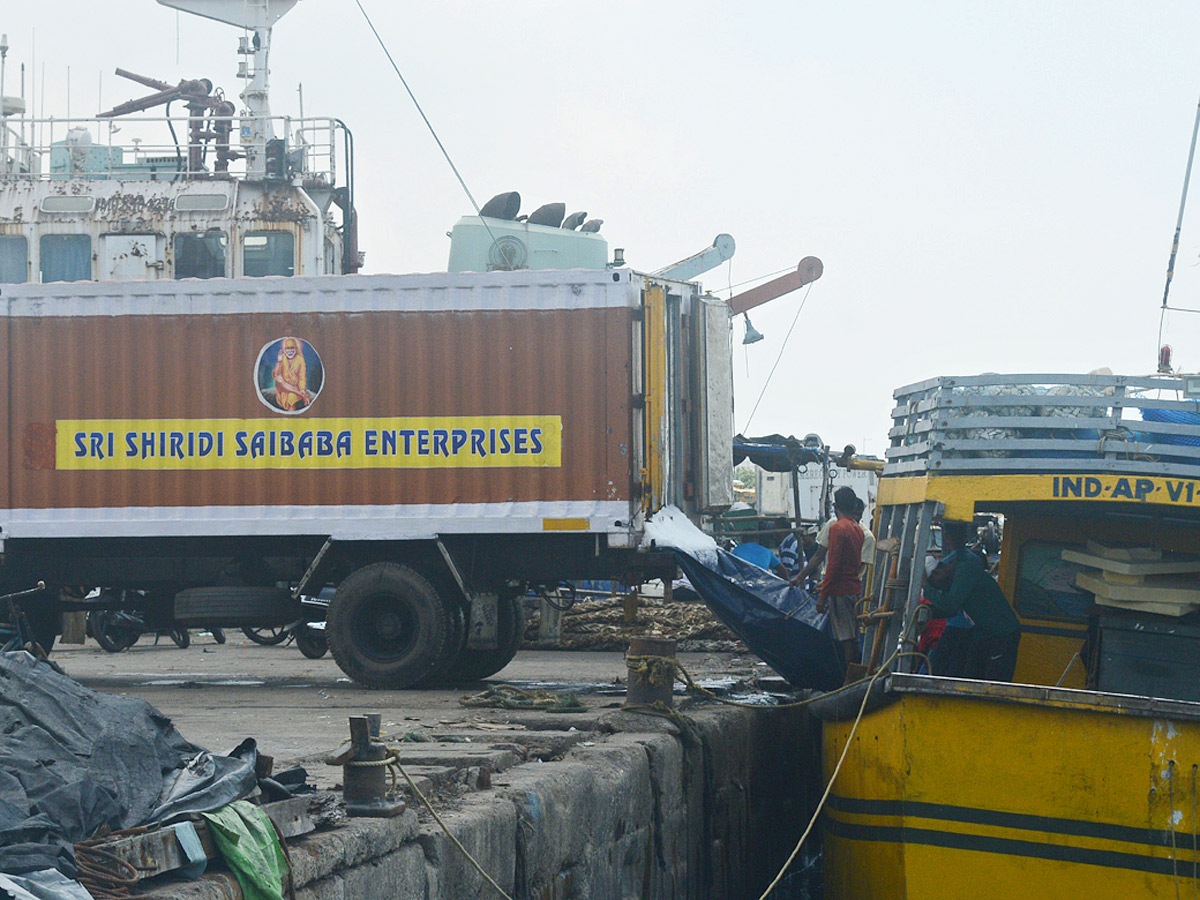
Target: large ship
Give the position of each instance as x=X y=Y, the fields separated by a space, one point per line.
x=139 y=192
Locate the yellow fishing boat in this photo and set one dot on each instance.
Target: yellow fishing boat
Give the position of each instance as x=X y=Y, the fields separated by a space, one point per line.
x=1080 y=779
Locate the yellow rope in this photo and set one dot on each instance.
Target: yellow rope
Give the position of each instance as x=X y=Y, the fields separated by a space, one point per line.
x=832 y=778
x=657 y=664
x=694 y=688
x=392 y=761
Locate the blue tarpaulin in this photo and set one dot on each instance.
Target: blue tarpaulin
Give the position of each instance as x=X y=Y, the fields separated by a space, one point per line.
x=775 y=619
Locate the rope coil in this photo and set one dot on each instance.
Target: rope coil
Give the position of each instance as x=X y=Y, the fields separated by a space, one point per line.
x=659 y=670
x=105 y=875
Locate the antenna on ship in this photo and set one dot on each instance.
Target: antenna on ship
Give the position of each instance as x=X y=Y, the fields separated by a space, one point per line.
x=257 y=17
x=1165 y=360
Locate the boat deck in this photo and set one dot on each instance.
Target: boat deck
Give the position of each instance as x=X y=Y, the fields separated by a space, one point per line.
x=1046 y=423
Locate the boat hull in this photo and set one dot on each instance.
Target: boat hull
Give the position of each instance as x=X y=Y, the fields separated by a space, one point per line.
x=958 y=788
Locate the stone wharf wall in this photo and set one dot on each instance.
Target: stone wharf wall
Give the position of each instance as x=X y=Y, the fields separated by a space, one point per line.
x=644 y=812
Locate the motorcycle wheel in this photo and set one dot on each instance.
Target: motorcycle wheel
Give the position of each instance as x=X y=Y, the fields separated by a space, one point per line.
x=109 y=634
x=268 y=637
x=312 y=643
x=181 y=636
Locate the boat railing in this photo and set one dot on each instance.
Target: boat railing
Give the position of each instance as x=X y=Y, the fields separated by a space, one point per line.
x=1012 y=424
x=160 y=148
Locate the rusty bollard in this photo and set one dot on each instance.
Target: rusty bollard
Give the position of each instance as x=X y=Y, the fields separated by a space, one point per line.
x=651 y=665
x=364 y=762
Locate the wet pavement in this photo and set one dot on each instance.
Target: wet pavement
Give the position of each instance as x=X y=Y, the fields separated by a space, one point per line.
x=297 y=708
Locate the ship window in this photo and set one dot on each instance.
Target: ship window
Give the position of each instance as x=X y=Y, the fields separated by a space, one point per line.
x=200 y=255
x=201 y=202
x=66 y=257
x=14 y=259
x=1046 y=583
x=68 y=204
x=268 y=253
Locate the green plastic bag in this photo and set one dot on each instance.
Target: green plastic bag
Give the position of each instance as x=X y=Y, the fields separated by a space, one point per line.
x=250 y=846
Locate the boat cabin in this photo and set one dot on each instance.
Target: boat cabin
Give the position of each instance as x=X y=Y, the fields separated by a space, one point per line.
x=1096 y=479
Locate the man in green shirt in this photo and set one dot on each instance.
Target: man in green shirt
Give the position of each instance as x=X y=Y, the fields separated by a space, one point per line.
x=996 y=636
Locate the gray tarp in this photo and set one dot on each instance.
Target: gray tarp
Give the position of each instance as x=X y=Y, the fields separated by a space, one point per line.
x=775 y=619
x=73 y=759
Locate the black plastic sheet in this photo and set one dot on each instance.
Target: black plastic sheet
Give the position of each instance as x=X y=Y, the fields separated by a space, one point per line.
x=775 y=619
x=73 y=760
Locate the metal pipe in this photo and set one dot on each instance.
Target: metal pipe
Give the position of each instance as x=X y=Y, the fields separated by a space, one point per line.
x=144 y=80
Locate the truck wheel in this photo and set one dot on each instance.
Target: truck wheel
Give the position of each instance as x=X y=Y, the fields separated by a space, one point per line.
x=387 y=626
x=473 y=665
x=455 y=641
x=45 y=625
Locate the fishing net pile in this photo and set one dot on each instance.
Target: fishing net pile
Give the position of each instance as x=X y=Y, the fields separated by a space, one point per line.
x=1019 y=401
x=599 y=623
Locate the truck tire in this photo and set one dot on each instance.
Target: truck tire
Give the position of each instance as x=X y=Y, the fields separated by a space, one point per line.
x=46 y=624
x=456 y=638
x=387 y=626
x=473 y=665
x=230 y=606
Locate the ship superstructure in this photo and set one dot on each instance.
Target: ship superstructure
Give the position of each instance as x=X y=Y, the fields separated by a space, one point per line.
x=225 y=190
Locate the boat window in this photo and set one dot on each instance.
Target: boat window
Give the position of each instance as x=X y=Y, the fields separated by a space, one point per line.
x=1046 y=583
x=65 y=257
x=268 y=253
x=200 y=255
x=14 y=259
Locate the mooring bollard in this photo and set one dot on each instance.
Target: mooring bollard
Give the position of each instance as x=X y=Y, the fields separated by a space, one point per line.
x=364 y=761
x=651 y=665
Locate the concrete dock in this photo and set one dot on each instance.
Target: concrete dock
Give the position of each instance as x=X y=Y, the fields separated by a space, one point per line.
x=600 y=803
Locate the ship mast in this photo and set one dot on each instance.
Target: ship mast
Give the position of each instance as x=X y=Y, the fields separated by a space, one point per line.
x=256 y=17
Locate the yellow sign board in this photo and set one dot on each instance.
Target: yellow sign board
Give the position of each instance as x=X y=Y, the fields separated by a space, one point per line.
x=433 y=442
x=963 y=493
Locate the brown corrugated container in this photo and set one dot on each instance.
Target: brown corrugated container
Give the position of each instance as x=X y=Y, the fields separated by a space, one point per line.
x=134 y=409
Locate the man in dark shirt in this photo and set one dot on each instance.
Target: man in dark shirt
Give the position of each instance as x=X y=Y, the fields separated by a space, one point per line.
x=841 y=587
x=992 y=655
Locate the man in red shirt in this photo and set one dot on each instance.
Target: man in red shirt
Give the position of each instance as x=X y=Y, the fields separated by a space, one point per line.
x=842 y=588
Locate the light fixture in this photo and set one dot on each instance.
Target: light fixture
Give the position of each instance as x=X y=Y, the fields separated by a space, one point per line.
x=1164 y=359
x=753 y=335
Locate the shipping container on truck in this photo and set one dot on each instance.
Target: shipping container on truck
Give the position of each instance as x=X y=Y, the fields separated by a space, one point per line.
x=428 y=445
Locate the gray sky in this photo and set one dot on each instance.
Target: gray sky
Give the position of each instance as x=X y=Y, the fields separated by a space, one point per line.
x=991 y=186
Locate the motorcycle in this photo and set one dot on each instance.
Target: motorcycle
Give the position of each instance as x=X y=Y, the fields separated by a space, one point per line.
x=308 y=633
x=125 y=617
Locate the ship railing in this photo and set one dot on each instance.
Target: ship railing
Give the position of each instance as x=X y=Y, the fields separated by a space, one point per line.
x=1014 y=424
x=144 y=148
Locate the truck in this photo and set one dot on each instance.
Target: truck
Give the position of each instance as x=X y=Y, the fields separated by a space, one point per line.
x=427 y=444
x=210 y=415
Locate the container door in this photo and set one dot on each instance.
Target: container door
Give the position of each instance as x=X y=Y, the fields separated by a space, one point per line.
x=131 y=257
x=715 y=404
x=655 y=391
